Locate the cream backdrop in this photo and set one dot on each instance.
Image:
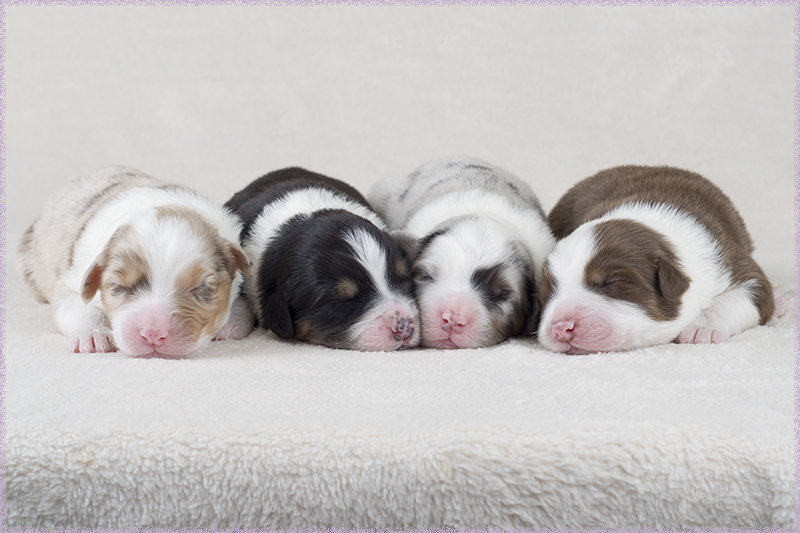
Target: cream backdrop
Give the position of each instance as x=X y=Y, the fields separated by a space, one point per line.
x=217 y=96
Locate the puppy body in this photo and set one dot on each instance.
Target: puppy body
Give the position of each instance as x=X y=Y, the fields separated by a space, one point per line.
x=326 y=270
x=648 y=255
x=130 y=262
x=482 y=239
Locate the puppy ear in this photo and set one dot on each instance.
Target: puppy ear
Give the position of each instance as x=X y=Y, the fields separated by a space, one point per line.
x=408 y=243
x=532 y=324
x=91 y=281
x=672 y=282
x=275 y=315
x=239 y=258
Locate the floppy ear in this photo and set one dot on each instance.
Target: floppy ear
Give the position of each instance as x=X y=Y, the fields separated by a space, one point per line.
x=672 y=282
x=239 y=258
x=275 y=315
x=532 y=324
x=408 y=243
x=91 y=281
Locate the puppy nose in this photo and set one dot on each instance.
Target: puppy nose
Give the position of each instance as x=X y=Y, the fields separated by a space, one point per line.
x=154 y=336
x=563 y=331
x=403 y=328
x=453 y=321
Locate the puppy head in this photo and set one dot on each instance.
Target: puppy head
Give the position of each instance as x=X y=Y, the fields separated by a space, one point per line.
x=165 y=281
x=614 y=285
x=337 y=280
x=475 y=284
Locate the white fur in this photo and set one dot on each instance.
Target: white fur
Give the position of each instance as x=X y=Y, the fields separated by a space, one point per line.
x=490 y=216
x=518 y=224
x=372 y=257
x=710 y=301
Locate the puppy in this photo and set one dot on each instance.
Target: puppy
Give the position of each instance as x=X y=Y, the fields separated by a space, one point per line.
x=134 y=264
x=482 y=238
x=326 y=271
x=648 y=255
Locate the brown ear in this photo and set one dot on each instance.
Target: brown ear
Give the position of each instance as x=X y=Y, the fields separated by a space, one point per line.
x=671 y=280
x=91 y=281
x=407 y=243
x=240 y=259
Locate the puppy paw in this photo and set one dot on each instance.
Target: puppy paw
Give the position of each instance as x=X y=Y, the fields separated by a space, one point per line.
x=698 y=334
x=781 y=302
x=93 y=342
x=234 y=330
x=239 y=324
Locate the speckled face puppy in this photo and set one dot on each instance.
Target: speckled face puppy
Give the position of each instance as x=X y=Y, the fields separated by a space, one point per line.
x=326 y=271
x=481 y=241
x=648 y=255
x=134 y=264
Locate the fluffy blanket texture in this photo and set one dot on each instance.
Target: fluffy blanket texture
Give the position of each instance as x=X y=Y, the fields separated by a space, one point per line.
x=267 y=433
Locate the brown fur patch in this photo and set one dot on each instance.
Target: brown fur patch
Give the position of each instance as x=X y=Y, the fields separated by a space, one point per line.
x=636 y=264
x=124 y=268
x=347 y=289
x=401 y=268
x=684 y=190
x=546 y=285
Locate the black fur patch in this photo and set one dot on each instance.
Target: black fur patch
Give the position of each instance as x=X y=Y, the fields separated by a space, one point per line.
x=250 y=201
x=302 y=271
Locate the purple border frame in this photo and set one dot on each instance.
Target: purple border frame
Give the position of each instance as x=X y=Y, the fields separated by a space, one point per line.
x=3 y=262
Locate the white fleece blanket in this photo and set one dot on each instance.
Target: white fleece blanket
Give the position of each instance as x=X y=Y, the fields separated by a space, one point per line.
x=266 y=433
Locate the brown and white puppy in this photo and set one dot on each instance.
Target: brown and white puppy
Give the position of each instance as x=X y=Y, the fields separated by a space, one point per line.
x=134 y=264
x=648 y=255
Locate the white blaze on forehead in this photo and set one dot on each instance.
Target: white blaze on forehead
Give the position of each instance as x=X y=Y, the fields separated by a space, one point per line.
x=467 y=246
x=372 y=257
x=172 y=248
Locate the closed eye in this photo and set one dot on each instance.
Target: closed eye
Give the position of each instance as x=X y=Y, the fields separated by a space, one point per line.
x=423 y=276
x=205 y=291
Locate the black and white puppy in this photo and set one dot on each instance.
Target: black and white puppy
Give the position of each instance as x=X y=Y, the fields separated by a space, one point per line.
x=482 y=239
x=326 y=271
x=132 y=263
x=648 y=255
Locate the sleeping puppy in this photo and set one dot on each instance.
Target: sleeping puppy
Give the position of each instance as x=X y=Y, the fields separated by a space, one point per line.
x=134 y=264
x=326 y=271
x=648 y=255
x=482 y=238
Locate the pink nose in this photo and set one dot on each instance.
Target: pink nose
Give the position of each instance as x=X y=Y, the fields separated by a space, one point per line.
x=563 y=331
x=453 y=321
x=154 y=336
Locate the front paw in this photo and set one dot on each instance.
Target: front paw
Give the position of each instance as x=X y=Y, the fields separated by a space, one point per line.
x=699 y=334
x=93 y=342
x=781 y=302
x=234 y=330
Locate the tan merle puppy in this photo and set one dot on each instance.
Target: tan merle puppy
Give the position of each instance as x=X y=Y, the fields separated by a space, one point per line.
x=648 y=255
x=134 y=264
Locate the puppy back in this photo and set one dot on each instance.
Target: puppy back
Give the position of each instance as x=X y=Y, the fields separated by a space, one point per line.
x=250 y=201
x=686 y=191
x=47 y=247
x=399 y=199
